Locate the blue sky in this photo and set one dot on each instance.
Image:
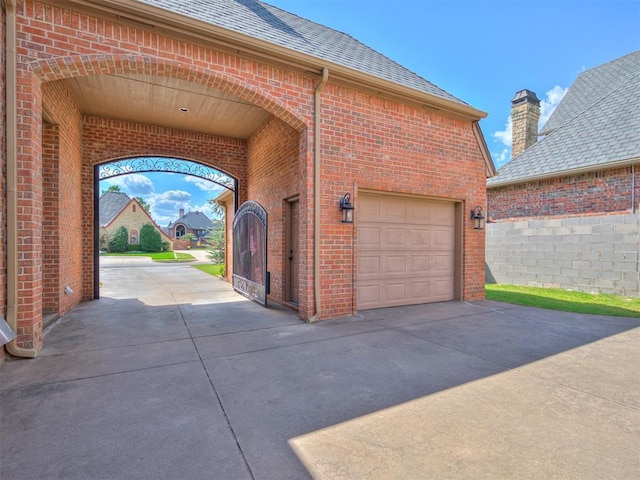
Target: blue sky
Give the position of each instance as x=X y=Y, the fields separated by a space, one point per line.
x=482 y=52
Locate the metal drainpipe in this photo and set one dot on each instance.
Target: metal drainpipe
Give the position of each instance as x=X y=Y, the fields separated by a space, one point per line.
x=633 y=189
x=12 y=182
x=316 y=200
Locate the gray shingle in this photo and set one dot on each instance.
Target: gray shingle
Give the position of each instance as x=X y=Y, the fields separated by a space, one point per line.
x=597 y=129
x=589 y=88
x=110 y=205
x=194 y=221
x=265 y=22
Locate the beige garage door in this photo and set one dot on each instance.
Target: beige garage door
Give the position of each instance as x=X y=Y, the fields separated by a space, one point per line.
x=406 y=251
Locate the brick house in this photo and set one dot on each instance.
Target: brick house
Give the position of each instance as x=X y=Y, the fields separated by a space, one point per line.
x=296 y=113
x=117 y=210
x=196 y=224
x=566 y=206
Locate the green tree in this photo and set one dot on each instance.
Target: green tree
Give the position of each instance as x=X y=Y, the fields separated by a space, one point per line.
x=216 y=208
x=216 y=252
x=150 y=239
x=112 y=188
x=144 y=204
x=119 y=240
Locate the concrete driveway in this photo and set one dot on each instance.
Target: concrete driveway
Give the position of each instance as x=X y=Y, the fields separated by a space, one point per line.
x=171 y=375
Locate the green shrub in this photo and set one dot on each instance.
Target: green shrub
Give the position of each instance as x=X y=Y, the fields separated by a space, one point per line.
x=150 y=239
x=119 y=240
x=165 y=246
x=133 y=247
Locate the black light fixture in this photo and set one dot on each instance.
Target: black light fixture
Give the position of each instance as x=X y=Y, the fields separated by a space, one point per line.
x=347 y=208
x=478 y=218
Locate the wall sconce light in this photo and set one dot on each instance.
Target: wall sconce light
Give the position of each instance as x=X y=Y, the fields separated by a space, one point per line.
x=347 y=208
x=478 y=218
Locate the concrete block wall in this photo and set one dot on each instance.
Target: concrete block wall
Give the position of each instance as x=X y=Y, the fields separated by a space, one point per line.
x=598 y=254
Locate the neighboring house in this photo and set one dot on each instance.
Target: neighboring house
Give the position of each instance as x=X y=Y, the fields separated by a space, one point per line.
x=196 y=224
x=566 y=206
x=294 y=113
x=117 y=210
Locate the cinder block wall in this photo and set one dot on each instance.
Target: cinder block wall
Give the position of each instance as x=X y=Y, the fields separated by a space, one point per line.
x=598 y=254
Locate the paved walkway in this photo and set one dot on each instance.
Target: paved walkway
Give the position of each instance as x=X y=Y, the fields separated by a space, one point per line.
x=171 y=375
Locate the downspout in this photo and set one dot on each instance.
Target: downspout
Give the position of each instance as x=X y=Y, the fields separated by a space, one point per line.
x=12 y=182
x=633 y=189
x=316 y=199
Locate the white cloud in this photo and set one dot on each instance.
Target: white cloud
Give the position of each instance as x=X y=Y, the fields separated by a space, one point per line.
x=501 y=158
x=547 y=107
x=134 y=184
x=204 y=185
x=165 y=206
x=504 y=136
x=550 y=103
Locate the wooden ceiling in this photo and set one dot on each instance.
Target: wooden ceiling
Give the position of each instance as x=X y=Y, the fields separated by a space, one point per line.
x=166 y=102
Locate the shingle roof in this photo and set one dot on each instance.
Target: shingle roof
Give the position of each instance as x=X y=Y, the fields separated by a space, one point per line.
x=194 y=221
x=110 y=205
x=597 y=123
x=265 y=22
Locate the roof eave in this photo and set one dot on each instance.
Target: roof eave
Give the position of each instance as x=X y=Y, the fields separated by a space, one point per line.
x=152 y=16
x=564 y=173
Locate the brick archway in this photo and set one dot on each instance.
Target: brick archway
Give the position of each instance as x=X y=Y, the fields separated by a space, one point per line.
x=106 y=139
x=65 y=144
x=155 y=164
x=78 y=66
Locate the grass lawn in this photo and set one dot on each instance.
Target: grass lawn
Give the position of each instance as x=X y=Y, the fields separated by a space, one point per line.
x=167 y=257
x=565 y=300
x=211 y=269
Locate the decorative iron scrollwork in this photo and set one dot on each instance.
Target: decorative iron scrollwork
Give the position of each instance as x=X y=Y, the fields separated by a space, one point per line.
x=165 y=164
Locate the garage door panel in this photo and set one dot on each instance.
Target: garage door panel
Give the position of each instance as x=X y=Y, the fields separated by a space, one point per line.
x=369 y=237
x=406 y=251
x=440 y=263
x=395 y=237
x=443 y=213
x=441 y=289
x=443 y=237
x=420 y=238
x=369 y=294
x=369 y=265
x=420 y=264
x=396 y=264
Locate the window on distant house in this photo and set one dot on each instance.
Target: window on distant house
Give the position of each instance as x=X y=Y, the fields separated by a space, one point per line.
x=133 y=236
x=180 y=231
x=134 y=208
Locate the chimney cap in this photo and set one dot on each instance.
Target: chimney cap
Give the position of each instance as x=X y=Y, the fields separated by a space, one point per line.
x=525 y=96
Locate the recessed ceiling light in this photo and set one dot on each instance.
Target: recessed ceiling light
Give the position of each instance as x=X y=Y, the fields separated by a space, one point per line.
x=183 y=109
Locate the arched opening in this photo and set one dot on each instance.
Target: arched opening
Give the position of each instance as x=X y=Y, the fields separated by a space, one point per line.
x=108 y=218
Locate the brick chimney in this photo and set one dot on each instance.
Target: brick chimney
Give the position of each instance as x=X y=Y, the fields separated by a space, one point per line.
x=525 y=113
x=181 y=213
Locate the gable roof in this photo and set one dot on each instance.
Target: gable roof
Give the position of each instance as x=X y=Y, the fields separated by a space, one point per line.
x=194 y=221
x=262 y=21
x=110 y=205
x=596 y=126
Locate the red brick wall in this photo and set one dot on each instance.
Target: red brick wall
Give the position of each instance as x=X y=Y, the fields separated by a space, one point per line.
x=592 y=193
x=106 y=139
x=366 y=142
x=51 y=218
x=63 y=220
x=272 y=175
x=372 y=143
